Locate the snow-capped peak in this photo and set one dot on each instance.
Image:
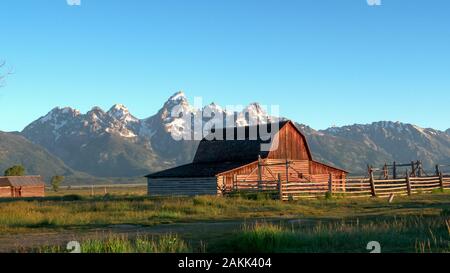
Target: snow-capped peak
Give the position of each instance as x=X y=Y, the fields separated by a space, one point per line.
x=178 y=96
x=118 y=110
x=255 y=108
x=213 y=108
x=56 y=112
x=121 y=113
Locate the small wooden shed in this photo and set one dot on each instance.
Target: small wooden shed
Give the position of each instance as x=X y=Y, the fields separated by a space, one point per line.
x=218 y=164
x=22 y=186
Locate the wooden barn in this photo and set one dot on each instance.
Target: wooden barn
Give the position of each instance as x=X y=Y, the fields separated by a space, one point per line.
x=22 y=186
x=219 y=165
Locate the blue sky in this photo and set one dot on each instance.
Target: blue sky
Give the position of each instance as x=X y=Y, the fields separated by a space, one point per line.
x=325 y=62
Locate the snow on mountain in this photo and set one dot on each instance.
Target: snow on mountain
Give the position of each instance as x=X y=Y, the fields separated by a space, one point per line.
x=116 y=143
x=117 y=138
x=251 y=115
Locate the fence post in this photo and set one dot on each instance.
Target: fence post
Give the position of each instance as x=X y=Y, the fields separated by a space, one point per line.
x=259 y=172
x=441 y=181
x=438 y=171
x=372 y=184
x=420 y=167
x=330 y=184
x=408 y=183
x=394 y=170
x=280 y=187
x=287 y=171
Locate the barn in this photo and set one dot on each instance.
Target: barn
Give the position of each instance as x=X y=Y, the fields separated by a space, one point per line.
x=21 y=186
x=219 y=164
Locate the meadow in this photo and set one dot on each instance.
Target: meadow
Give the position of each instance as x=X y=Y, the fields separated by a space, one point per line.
x=129 y=221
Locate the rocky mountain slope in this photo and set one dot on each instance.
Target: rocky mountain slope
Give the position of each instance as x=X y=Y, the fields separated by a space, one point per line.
x=17 y=150
x=117 y=144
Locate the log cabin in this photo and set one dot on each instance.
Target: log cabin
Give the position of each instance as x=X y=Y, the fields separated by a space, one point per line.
x=219 y=163
x=21 y=186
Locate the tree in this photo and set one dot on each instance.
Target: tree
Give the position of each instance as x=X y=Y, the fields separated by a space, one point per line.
x=56 y=182
x=17 y=170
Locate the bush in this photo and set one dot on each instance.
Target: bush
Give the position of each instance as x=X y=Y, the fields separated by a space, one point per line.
x=56 y=182
x=17 y=170
x=72 y=197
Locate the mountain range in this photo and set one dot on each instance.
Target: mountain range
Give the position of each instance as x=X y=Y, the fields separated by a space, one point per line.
x=103 y=145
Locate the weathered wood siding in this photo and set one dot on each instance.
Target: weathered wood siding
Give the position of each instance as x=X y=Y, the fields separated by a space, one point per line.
x=291 y=145
x=227 y=177
x=182 y=186
x=271 y=169
x=5 y=192
x=25 y=191
x=319 y=168
x=33 y=191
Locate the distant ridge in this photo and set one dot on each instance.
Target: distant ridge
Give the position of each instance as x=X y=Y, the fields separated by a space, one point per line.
x=117 y=144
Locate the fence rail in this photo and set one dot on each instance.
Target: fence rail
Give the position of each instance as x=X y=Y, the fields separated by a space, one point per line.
x=348 y=188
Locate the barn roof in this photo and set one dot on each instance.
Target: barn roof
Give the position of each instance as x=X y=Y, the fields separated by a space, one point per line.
x=20 y=181
x=197 y=170
x=216 y=156
x=247 y=149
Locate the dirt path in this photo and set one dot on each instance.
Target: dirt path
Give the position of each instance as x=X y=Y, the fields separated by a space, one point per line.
x=192 y=232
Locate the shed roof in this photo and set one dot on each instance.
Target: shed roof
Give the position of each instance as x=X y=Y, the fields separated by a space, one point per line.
x=197 y=170
x=20 y=181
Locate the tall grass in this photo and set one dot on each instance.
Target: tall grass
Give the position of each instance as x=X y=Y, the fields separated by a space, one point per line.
x=404 y=234
x=18 y=216
x=167 y=243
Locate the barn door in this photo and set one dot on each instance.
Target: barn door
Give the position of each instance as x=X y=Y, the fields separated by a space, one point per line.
x=18 y=192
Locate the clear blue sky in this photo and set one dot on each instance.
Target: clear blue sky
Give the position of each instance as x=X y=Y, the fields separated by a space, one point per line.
x=324 y=62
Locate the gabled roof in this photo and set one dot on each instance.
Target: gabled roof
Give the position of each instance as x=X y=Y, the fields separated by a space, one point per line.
x=215 y=156
x=246 y=149
x=20 y=181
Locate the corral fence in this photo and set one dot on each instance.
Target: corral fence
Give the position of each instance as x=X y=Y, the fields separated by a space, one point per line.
x=347 y=188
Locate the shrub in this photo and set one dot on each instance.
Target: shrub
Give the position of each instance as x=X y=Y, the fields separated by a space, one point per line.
x=17 y=170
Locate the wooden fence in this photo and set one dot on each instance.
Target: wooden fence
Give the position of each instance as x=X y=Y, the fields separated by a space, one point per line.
x=347 y=188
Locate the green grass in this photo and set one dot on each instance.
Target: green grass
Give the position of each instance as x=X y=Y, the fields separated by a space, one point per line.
x=17 y=216
x=404 y=234
x=410 y=224
x=167 y=243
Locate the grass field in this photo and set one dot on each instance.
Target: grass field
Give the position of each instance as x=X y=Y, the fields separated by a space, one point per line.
x=420 y=223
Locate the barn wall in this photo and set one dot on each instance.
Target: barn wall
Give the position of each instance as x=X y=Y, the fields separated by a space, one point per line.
x=291 y=145
x=321 y=169
x=298 y=170
x=182 y=186
x=5 y=192
x=33 y=191
x=227 y=177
